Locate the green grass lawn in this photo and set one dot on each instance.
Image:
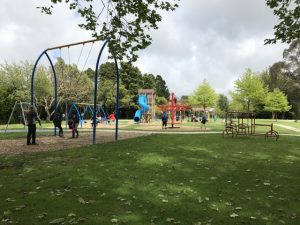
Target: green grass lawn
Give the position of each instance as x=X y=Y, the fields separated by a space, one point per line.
x=158 y=179
x=290 y=123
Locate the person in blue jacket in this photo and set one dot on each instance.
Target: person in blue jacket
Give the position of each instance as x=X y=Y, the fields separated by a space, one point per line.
x=164 y=119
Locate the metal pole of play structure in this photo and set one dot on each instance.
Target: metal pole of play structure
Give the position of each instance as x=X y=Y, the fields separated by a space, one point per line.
x=95 y=94
x=96 y=91
x=117 y=99
x=55 y=81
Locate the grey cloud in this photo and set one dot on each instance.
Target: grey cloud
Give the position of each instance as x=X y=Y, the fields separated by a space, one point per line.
x=214 y=40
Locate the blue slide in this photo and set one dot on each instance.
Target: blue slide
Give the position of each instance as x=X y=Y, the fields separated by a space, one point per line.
x=142 y=101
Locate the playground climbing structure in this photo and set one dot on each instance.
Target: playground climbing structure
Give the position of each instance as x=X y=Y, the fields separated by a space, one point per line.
x=244 y=123
x=175 y=109
x=146 y=102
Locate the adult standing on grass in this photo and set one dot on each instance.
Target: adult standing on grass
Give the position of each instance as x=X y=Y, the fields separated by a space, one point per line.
x=32 y=117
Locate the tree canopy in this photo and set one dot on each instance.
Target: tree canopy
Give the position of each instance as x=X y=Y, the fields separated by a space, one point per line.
x=249 y=90
x=276 y=101
x=73 y=85
x=125 y=23
x=204 y=96
x=288 y=13
x=223 y=103
x=285 y=75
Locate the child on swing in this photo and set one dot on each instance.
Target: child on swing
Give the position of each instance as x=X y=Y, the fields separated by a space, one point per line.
x=57 y=119
x=73 y=124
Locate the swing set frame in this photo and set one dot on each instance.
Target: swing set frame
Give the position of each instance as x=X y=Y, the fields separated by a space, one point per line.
x=75 y=107
x=22 y=118
x=96 y=80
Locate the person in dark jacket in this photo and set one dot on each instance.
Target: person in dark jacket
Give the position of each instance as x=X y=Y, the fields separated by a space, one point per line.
x=57 y=119
x=75 y=122
x=203 y=121
x=32 y=117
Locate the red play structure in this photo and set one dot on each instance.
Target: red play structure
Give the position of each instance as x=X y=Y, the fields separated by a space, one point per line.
x=176 y=110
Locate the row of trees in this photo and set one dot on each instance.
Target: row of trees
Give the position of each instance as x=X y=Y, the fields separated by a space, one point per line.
x=250 y=94
x=74 y=85
x=273 y=90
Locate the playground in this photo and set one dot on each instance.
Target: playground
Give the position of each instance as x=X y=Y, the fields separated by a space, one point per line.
x=13 y=141
x=105 y=133
x=99 y=128
x=134 y=172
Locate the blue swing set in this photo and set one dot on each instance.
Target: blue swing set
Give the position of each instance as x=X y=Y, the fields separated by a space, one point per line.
x=83 y=110
x=96 y=80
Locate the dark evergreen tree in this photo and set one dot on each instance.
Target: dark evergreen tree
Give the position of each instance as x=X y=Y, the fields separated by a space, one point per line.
x=161 y=87
x=131 y=78
x=148 y=81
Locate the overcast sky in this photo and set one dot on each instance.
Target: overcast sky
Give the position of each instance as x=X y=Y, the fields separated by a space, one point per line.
x=214 y=40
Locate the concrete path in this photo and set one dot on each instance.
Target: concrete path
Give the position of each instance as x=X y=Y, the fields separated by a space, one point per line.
x=288 y=127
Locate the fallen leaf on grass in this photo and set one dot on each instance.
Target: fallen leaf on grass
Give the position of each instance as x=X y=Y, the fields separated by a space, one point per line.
x=233 y=215
x=19 y=207
x=121 y=199
x=82 y=201
x=57 y=221
x=6 y=213
x=200 y=199
x=114 y=220
x=41 y=216
x=153 y=218
x=71 y=214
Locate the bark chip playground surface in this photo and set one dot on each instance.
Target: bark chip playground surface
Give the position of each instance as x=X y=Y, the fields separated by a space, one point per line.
x=52 y=143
